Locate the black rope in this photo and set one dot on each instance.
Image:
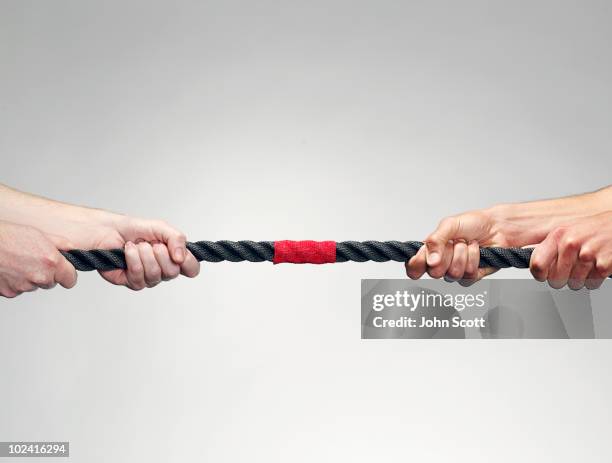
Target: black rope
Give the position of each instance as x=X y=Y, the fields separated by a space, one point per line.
x=384 y=251
x=262 y=251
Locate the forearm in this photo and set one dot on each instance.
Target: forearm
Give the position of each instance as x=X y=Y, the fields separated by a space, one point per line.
x=154 y=250
x=47 y=215
x=531 y=222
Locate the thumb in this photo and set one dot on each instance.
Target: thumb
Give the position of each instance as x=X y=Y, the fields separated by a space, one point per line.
x=175 y=240
x=436 y=242
x=65 y=274
x=61 y=243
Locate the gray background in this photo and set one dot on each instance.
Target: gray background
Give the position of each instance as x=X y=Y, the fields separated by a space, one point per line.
x=319 y=120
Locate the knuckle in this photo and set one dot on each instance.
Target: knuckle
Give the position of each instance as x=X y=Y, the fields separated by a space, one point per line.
x=50 y=260
x=42 y=279
x=136 y=269
x=593 y=283
x=587 y=254
x=431 y=240
x=559 y=232
x=455 y=273
x=173 y=273
x=556 y=284
x=575 y=285
x=411 y=271
x=601 y=266
x=194 y=272
x=435 y=273
x=8 y=293
x=160 y=251
x=537 y=274
x=537 y=266
x=136 y=286
x=23 y=287
x=569 y=242
x=143 y=245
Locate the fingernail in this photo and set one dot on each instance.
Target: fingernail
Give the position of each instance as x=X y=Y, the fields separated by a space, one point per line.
x=433 y=259
x=129 y=244
x=179 y=254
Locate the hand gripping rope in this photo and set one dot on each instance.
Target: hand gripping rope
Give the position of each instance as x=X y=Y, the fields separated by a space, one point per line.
x=298 y=252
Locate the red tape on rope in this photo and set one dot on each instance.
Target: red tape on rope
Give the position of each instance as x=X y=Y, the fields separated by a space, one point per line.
x=304 y=252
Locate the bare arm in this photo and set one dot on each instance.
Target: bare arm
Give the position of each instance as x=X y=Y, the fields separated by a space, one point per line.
x=530 y=222
x=50 y=216
x=154 y=250
x=452 y=250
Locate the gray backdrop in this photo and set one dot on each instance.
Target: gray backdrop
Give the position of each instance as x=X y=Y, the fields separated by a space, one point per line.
x=273 y=120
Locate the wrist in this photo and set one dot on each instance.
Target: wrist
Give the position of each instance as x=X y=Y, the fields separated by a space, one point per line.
x=522 y=224
x=529 y=223
x=100 y=218
x=77 y=223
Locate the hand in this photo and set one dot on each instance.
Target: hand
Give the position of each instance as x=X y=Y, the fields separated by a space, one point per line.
x=453 y=249
x=30 y=260
x=577 y=254
x=154 y=251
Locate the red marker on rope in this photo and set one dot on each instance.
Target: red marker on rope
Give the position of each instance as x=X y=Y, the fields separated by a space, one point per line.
x=304 y=252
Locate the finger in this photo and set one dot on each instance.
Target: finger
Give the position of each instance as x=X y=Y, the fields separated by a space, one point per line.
x=595 y=279
x=480 y=274
x=456 y=270
x=24 y=287
x=542 y=258
x=61 y=243
x=169 y=269
x=191 y=267
x=417 y=265
x=65 y=274
x=579 y=274
x=51 y=284
x=152 y=270
x=158 y=230
x=486 y=271
x=603 y=264
x=173 y=238
x=440 y=270
x=567 y=256
x=437 y=242
x=7 y=291
x=116 y=277
x=473 y=261
x=135 y=269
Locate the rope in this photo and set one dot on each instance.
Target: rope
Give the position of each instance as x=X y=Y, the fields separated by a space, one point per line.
x=297 y=252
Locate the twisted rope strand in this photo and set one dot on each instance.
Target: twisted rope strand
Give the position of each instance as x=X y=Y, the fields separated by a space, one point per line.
x=263 y=251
